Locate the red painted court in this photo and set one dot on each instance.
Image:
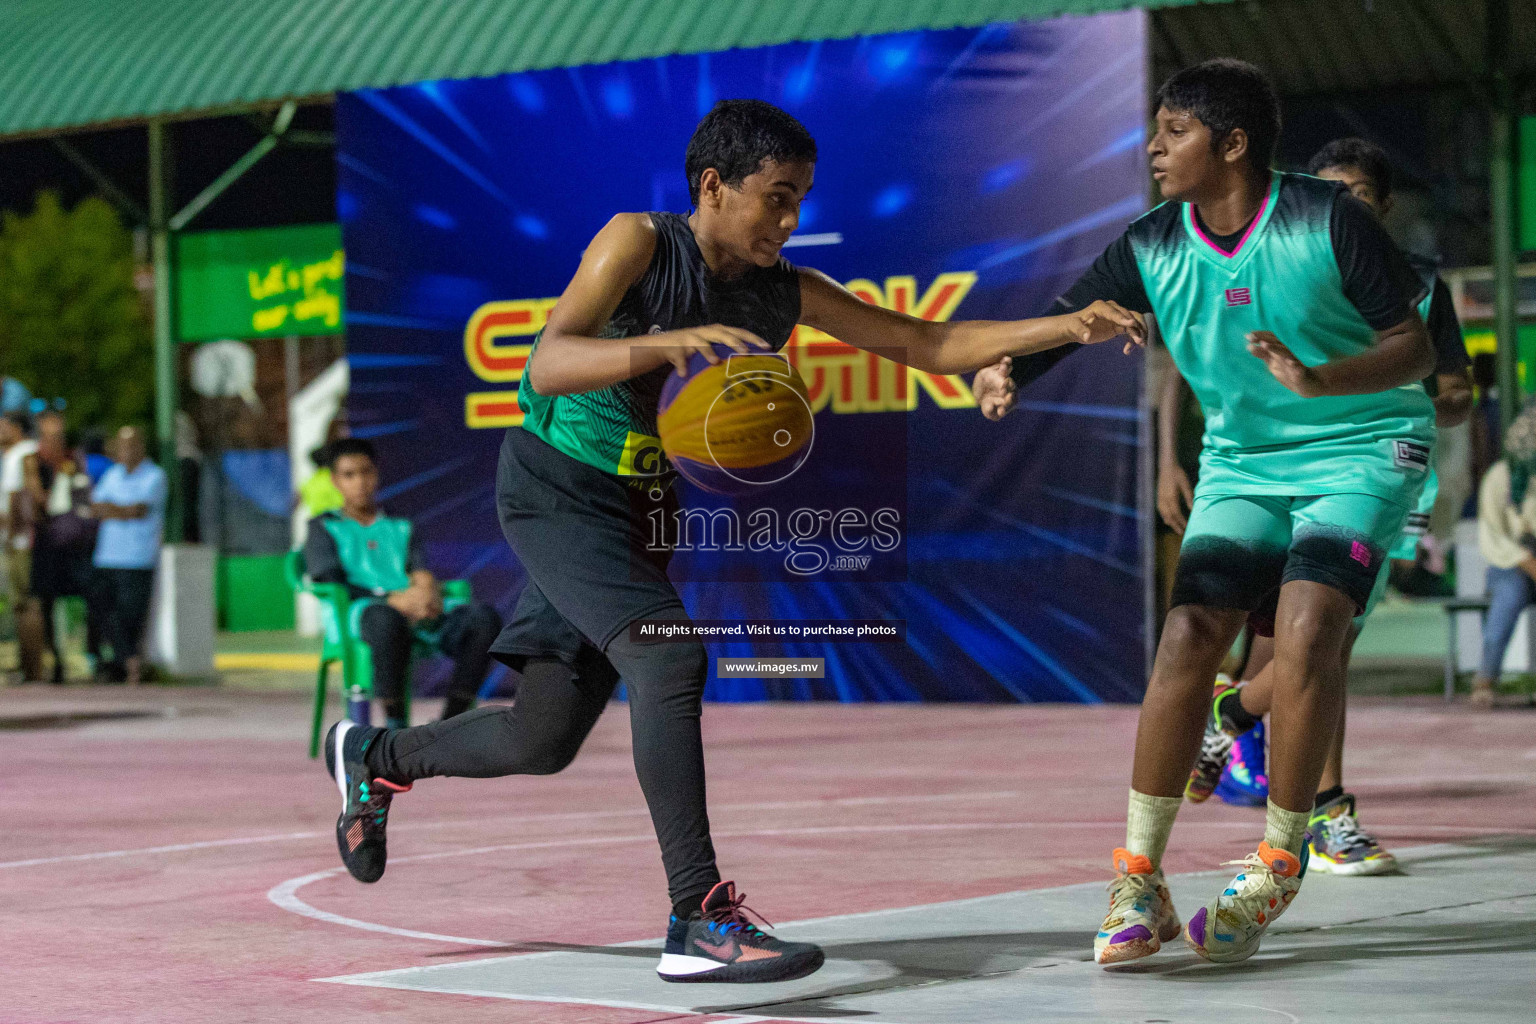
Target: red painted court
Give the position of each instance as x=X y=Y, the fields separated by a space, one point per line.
x=168 y=855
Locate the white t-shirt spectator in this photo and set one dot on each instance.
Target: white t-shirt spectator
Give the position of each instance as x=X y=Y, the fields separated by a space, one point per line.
x=11 y=481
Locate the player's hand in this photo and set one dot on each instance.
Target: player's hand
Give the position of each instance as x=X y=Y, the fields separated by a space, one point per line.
x=995 y=390
x=1174 y=497
x=407 y=602
x=1287 y=369
x=677 y=347
x=1104 y=320
x=431 y=602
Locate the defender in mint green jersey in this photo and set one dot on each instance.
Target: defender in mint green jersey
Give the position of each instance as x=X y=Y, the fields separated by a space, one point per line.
x=1338 y=843
x=1292 y=316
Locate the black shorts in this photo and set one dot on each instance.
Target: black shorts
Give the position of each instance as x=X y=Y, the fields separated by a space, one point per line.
x=580 y=534
x=1239 y=550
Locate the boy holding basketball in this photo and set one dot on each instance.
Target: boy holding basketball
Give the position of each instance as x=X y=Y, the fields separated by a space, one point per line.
x=577 y=481
x=1291 y=314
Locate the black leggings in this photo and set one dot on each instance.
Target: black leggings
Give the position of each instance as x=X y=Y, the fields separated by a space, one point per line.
x=556 y=707
x=467 y=633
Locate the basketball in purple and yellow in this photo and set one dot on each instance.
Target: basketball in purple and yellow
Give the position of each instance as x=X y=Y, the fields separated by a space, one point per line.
x=738 y=425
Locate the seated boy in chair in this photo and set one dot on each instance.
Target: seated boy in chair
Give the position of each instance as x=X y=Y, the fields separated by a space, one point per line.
x=379 y=560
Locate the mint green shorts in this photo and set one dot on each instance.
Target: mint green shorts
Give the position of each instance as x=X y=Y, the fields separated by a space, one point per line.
x=1239 y=550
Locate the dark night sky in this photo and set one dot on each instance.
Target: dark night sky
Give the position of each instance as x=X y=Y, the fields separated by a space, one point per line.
x=291 y=185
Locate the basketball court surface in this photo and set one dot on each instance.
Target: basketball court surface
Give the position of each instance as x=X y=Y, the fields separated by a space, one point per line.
x=168 y=855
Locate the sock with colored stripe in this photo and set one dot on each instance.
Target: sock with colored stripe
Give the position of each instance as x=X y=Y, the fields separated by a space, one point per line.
x=1148 y=823
x=1283 y=829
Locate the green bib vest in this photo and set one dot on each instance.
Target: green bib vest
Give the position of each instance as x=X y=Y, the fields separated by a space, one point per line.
x=373 y=556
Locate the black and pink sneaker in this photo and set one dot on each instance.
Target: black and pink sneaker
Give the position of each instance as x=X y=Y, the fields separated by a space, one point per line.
x=718 y=943
x=364 y=801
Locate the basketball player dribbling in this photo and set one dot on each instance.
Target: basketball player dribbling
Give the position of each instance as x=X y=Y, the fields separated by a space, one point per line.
x=652 y=289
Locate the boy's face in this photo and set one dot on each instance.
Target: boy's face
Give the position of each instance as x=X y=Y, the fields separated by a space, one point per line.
x=754 y=221
x=1184 y=164
x=1361 y=187
x=357 y=478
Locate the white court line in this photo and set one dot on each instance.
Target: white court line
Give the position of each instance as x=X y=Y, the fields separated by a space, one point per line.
x=728 y=1016
x=177 y=848
x=782 y=805
x=285 y=894
x=778 y=805
x=374 y=979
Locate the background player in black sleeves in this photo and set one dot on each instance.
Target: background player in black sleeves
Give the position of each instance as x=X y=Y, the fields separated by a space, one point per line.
x=584 y=470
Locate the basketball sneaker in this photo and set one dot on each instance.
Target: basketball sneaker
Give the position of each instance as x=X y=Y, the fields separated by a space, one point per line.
x=1245 y=782
x=1340 y=846
x=719 y=944
x=1215 y=747
x=364 y=801
x=1228 y=928
x=1141 y=916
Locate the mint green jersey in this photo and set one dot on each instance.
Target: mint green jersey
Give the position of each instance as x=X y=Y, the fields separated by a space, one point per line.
x=374 y=559
x=1285 y=276
x=1314 y=267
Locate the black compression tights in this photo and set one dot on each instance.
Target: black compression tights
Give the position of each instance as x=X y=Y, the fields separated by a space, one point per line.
x=556 y=707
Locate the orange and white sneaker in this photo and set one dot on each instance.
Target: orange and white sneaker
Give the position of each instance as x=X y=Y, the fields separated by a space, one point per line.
x=1141 y=916
x=1228 y=929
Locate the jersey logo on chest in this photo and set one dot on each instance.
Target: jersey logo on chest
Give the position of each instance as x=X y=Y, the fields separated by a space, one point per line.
x=1239 y=296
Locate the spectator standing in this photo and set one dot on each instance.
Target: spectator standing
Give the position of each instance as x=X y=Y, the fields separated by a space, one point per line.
x=93 y=453
x=58 y=492
x=130 y=502
x=16 y=532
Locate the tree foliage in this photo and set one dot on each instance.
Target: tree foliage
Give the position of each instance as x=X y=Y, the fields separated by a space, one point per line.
x=72 y=324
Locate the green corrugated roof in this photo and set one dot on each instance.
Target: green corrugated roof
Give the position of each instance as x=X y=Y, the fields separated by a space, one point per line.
x=68 y=63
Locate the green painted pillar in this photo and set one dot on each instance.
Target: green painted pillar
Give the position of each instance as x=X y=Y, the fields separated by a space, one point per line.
x=1501 y=198
x=162 y=256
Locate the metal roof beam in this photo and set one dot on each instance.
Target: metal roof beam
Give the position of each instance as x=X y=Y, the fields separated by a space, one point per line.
x=109 y=188
x=236 y=170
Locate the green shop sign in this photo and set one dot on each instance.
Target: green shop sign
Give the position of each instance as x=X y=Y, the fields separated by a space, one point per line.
x=266 y=282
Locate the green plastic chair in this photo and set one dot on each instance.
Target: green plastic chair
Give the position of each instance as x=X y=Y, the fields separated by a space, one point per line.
x=340 y=644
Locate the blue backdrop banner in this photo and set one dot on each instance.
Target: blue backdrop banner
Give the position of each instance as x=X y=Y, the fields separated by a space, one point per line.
x=965 y=174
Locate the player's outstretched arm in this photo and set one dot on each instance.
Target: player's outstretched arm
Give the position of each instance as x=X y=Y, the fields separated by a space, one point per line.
x=953 y=347
x=570 y=356
x=1402 y=355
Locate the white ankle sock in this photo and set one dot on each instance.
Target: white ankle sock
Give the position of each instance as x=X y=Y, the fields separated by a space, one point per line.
x=1283 y=829
x=1148 y=823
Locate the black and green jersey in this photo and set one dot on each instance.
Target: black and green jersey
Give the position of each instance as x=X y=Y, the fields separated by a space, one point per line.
x=1316 y=268
x=1439 y=312
x=614 y=428
x=370 y=560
